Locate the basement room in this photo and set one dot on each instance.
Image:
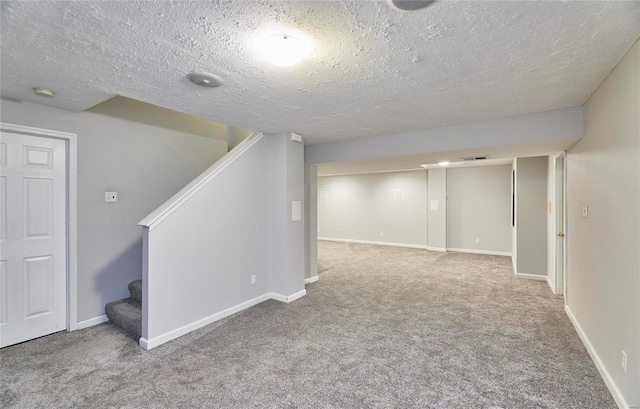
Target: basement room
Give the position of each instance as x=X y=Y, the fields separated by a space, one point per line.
x=320 y=204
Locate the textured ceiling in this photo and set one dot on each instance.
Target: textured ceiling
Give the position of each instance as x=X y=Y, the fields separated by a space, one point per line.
x=374 y=71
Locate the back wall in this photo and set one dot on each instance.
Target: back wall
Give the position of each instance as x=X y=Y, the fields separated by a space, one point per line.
x=391 y=208
x=363 y=207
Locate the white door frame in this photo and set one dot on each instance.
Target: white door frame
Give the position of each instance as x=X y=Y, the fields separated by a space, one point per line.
x=565 y=253
x=563 y=291
x=72 y=215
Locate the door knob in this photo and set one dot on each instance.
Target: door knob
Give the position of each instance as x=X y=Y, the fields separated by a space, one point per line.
x=561 y=234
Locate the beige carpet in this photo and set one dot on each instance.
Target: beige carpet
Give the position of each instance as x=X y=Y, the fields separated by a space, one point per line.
x=383 y=328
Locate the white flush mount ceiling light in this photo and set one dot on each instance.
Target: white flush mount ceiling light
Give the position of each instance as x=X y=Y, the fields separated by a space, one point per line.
x=443 y=163
x=284 y=50
x=44 y=92
x=205 y=79
x=409 y=5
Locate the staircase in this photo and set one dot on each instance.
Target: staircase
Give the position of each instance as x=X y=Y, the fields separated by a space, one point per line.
x=127 y=313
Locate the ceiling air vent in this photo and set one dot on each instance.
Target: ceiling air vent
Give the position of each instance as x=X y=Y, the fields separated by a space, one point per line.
x=474 y=158
x=470 y=159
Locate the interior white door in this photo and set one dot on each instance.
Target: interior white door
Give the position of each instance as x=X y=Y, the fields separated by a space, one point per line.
x=33 y=259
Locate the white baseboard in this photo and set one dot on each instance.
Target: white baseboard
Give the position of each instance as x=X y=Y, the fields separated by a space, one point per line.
x=551 y=285
x=377 y=243
x=311 y=279
x=606 y=376
x=171 y=335
x=92 y=321
x=488 y=252
x=288 y=298
x=440 y=249
x=531 y=277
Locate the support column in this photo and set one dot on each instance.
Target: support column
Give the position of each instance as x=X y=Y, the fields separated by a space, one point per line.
x=286 y=205
x=437 y=209
x=311 y=222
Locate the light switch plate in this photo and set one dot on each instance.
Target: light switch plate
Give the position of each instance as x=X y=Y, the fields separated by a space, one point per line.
x=585 y=211
x=110 y=197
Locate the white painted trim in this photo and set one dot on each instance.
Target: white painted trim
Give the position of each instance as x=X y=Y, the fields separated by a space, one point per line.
x=288 y=298
x=93 y=321
x=531 y=277
x=72 y=211
x=377 y=243
x=171 y=335
x=171 y=205
x=565 y=254
x=440 y=249
x=488 y=252
x=606 y=376
x=311 y=279
x=550 y=282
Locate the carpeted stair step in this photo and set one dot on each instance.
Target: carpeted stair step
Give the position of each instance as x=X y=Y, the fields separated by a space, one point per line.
x=135 y=289
x=126 y=314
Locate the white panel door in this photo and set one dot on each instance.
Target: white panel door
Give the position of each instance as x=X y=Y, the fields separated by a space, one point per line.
x=33 y=256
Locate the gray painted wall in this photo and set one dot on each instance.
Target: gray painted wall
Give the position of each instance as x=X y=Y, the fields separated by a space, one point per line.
x=473 y=202
x=292 y=280
x=145 y=164
x=603 y=172
x=479 y=207
x=362 y=207
x=437 y=219
x=236 y=135
x=531 y=215
x=202 y=256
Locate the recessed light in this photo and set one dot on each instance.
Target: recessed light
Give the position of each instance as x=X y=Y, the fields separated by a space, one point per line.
x=205 y=79
x=409 y=5
x=443 y=163
x=43 y=92
x=284 y=50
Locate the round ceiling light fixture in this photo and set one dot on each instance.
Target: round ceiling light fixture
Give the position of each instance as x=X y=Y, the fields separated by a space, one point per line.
x=284 y=50
x=409 y=5
x=205 y=79
x=44 y=92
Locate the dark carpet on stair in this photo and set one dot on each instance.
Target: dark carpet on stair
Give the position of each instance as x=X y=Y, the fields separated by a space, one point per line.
x=385 y=327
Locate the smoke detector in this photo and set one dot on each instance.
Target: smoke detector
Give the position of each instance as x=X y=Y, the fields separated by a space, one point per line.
x=205 y=79
x=44 y=92
x=409 y=5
